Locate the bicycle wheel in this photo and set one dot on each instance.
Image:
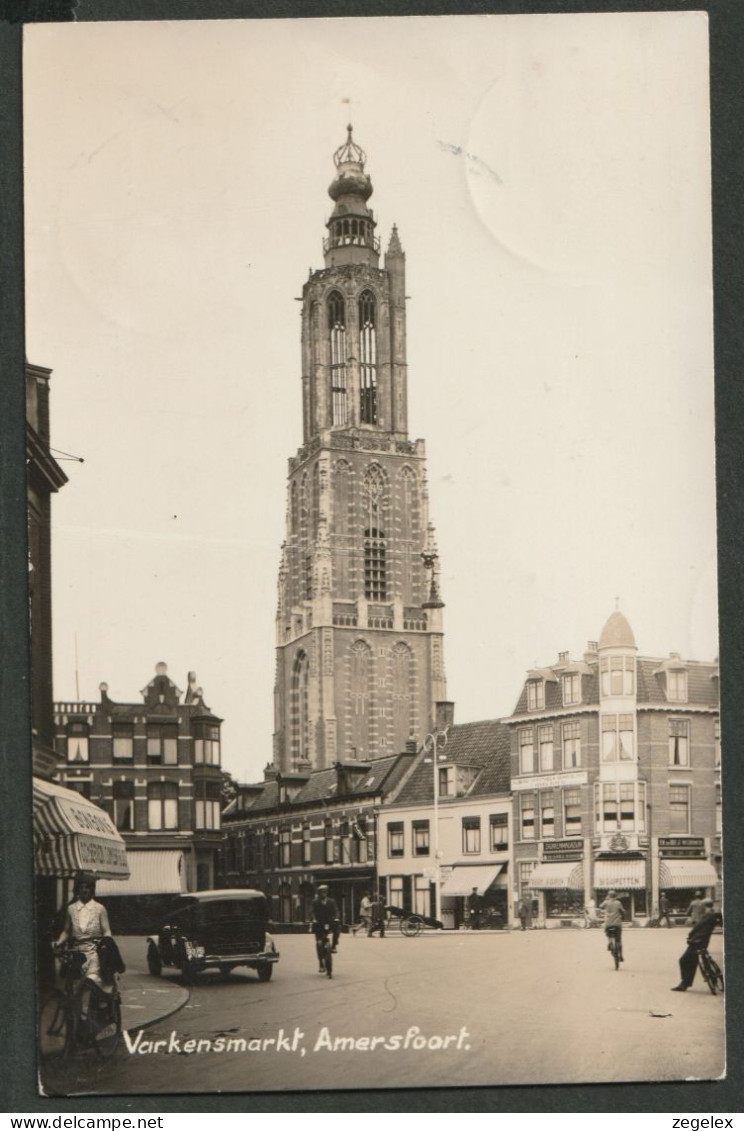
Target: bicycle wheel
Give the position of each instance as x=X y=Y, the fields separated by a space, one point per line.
x=412 y=926
x=106 y=1028
x=328 y=960
x=54 y=1026
x=710 y=971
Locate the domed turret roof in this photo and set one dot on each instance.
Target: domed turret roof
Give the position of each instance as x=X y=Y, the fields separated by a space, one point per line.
x=617 y=633
x=351 y=178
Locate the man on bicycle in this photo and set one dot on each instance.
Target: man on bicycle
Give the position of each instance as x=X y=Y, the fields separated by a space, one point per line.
x=697 y=940
x=325 y=918
x=613 y=922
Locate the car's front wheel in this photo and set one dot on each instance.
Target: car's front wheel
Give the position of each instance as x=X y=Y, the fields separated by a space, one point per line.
x=264 y=971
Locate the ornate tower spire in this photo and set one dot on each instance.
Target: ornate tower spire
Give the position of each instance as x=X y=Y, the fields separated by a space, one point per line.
x=359 y=618
x=351 y=227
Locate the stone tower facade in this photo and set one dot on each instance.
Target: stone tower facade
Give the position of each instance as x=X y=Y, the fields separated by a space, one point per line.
x=360 y=660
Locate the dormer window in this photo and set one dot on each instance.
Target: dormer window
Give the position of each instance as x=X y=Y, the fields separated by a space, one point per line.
x=571 y=689
x=618 y=675
x=454 y=781
x=676 y=685
x=535 y=694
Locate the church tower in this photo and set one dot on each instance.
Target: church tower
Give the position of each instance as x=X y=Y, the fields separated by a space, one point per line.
x=360 y=661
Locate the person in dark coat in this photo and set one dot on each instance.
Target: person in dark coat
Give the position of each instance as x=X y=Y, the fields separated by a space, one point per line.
x=377 y=917
x=697 y=940
x=325 y=916
x=523 y=912
x=475 y=909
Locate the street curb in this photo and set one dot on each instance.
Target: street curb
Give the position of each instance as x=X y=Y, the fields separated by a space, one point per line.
x=162 y=1017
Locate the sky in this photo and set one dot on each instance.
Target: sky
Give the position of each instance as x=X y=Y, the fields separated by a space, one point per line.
x=550 y=179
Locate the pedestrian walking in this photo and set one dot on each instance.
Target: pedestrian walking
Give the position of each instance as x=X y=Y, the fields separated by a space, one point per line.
x=696 y=909
x=523 y=913
x=365 y=914
x=475 y=910
x=697 y=940
x=664 y=909
x=377 y=915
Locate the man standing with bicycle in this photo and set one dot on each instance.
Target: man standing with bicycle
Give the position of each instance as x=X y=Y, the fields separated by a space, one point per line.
x=613 y=922
x=325 y=919
x=697 y=940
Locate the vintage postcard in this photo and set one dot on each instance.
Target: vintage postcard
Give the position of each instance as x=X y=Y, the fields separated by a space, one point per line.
x=373 y=553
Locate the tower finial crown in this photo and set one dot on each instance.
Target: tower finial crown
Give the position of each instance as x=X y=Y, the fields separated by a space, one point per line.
x=349 y=153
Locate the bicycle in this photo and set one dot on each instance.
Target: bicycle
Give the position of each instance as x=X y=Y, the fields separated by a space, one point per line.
x=64 y=1029
x=324 y=946
x=710 y=971
x=614 y=945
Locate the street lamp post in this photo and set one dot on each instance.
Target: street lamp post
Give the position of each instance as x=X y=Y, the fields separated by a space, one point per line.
x=434 y=744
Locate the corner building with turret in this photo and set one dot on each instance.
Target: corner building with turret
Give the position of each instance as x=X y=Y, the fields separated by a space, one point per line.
x=359 y=634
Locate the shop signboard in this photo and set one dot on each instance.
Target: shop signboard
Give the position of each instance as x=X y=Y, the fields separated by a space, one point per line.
x=562 y=850
x=682 y=846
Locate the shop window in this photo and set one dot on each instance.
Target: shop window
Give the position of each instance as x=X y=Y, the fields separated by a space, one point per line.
x=526 y=752
x=571 y=689
x=679 y=809
x=679 y=742
x=395 y=890
x=207 y=744
x=123 y=805
x=571 y=745
x=547 y=814
x=535 y=694
x=123 y=741
x=207 y=804
x=162 y=744
x=471 y=836
x=422 y=896
x=527 y=816
x=545 y=747
x=162 y=805
x=420 y=838
x=572 y=812
x=396 y=845
x=499 y=826
x=77 y=742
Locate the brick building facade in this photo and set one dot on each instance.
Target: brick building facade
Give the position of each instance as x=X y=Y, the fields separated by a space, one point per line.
x=154 y=766
x=615 y=772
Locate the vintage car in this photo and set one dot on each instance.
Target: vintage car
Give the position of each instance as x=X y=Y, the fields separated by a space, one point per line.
x=220 y=929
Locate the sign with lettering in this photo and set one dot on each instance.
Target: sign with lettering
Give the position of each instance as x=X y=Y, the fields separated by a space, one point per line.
x=563 y=850
x=550 y=781
x=680 y=846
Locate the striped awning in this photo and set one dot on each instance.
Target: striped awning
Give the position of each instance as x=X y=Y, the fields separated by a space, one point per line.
x=462 y=880
x=623 y=874
x=568 y=875
x=73 y=835
x=687 y=874
x=158 y=871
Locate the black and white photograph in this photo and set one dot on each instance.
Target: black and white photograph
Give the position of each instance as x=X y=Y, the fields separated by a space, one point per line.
x=372 y=553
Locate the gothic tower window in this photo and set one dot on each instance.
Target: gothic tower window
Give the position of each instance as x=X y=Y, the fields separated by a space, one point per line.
x=402 y=674
x=368 y=358
x=375 y=546
x=337 y=328
x=316 y=497
x=299 y=722
x=293 y=510
x=361 y=677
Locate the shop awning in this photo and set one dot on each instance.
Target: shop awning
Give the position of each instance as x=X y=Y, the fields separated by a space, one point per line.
x=567 y=875
x=159 y=871
x=687 y=874
x=73 y=835
x=462 y=880
x=621 y=874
